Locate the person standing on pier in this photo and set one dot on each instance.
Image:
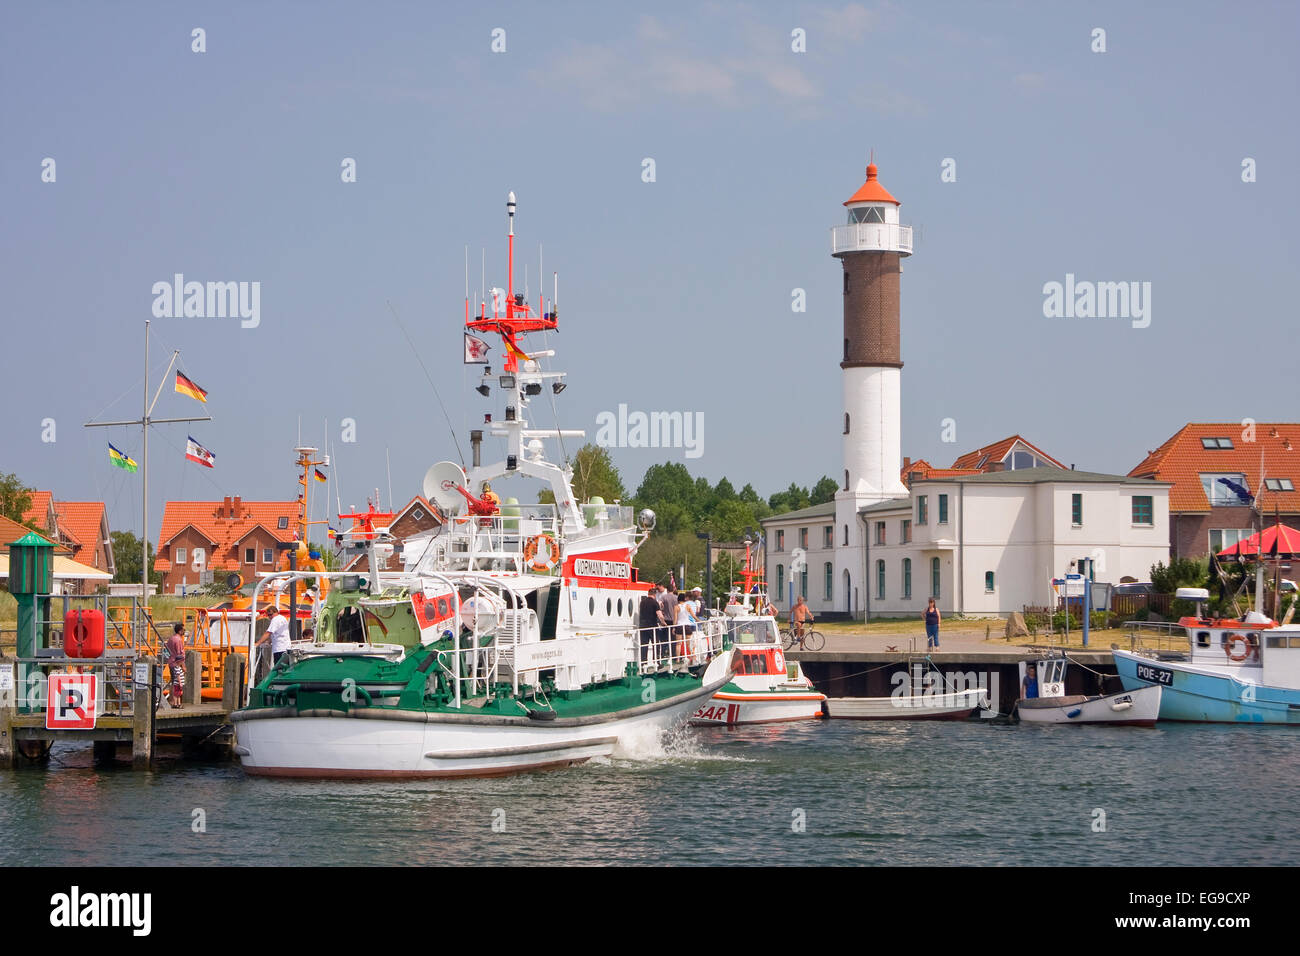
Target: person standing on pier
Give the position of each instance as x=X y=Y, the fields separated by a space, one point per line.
x=175 y=659
x=932 y=626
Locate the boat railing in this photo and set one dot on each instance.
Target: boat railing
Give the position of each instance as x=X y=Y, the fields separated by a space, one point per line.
x=1156 y=636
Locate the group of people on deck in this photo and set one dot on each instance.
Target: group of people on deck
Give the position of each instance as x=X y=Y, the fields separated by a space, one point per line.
x=668 y=623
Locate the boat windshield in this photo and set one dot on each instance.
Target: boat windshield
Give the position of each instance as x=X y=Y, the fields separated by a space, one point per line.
x=755 y=632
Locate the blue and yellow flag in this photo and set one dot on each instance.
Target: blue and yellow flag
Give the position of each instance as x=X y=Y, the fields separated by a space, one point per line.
x=121 y=460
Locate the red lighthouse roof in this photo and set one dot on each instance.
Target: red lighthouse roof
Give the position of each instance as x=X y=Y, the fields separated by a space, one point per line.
x=871 y=190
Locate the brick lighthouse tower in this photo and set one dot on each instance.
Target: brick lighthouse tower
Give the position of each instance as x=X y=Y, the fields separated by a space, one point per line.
x=870 y=247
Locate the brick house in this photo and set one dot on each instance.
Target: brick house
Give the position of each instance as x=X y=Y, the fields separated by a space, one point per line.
x=1216 y=469
x=416 y=517
x=201 y=541
x=79 y=526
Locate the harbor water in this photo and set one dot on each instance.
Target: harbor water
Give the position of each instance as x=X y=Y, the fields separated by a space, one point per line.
x=838 y=792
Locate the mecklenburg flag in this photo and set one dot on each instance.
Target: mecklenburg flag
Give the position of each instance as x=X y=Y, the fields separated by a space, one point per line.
x=320 y=476
x=196 y=452
x=121 y=460
x=186 y=387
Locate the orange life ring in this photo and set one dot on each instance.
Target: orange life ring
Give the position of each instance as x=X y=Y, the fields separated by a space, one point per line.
x=1229 y=640
x=530 y=553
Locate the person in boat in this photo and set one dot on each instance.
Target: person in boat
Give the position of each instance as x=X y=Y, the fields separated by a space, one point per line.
x=175 y=654
x=650 y=620
x=309 y=635
x=801 y=615
x=1029 y=686
x=668 y=606
x=685 y=624
x=277 y=634
x=932 y=625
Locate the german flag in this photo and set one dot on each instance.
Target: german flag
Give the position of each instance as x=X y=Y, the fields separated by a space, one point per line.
x=516 y=351
x=186 y=387
x=320 y=476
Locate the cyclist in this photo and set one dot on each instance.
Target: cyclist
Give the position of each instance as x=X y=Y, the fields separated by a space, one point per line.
x=802 y=614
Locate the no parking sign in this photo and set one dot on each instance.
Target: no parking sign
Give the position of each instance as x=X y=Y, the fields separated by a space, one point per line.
x=71 y=702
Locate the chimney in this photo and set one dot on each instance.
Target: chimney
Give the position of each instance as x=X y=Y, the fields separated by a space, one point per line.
x=238 y=507
x=995 y=466
x=225 y=509
x=907 y=463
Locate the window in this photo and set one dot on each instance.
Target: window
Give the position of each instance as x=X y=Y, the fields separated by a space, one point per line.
x=803 y=582
x=988 y=581
x=1221 y=538
x=920 y=510
x=846 y=479
x=1142 y=510
x=250 y=556
x=880 y=532
x=1278 y=484
x=267 y=556
x=943 y=509
x=846 y=291
x=780 y=581
x=803 y=538
x=866 y=214
x=1076 y=509
x=780 y=541
x=880 y=580
x=846 y=535
x=846 y=423
x=1216 y=442
x=829 y=571
x=418 y=513
x=828 y=536
x=906 y=536
x=1226 y=489
x=907 y=577
x=934 y=578
x=1022 y=459
x=180 y=555
x=282 y=523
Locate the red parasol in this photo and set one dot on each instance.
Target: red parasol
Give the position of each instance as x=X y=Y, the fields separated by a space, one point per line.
x=1279 y=541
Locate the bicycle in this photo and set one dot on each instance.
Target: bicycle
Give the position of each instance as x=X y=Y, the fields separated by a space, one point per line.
x=812 y=640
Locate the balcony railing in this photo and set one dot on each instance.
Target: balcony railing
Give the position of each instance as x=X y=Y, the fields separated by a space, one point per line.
x=871 y=236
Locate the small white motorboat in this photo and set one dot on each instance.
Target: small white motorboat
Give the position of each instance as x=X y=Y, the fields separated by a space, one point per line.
x=1139 y=707
x=949 y=705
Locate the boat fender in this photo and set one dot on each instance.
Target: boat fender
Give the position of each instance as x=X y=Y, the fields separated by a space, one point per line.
x=1124 y=703
x=542 y=714
x=1074 y=713
x=530 y=553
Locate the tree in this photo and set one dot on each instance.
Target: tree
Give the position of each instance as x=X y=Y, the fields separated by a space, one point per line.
x=729 y=521
x=594 y=475
x=662 y=553
x=126 y=556
x=1181 y=572
x=725 y=490
x=823 y=491
x=15 y=498
x=792 y=499
x=667 y=482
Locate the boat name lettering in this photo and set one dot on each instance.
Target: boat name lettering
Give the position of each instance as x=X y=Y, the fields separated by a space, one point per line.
x=1155 y=675
x=588 y=568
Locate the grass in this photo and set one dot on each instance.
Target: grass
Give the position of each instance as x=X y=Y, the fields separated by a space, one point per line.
x=164 y=606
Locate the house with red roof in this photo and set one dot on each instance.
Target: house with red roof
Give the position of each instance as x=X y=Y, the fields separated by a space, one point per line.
x=79 y=526
x=1009 y=454
x=1224 y=478
x=418 y=516
x=202 y=539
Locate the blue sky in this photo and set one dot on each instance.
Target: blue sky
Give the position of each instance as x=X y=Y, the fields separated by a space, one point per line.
x=675 y=295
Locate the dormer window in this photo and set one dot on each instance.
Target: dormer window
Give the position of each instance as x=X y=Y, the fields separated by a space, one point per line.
x=867 y=214
x=282 y=524
x=1216 y=442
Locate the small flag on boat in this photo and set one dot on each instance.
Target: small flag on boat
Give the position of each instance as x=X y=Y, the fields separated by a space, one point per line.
x=196 y=452
x=187 y=387
x=320 y=475
x=121 y=460
x=476 y=350
x=516 y=352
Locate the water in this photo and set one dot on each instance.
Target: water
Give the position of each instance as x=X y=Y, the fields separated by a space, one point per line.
x=866 y=793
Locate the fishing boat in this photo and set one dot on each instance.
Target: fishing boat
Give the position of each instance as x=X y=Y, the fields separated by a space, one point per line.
x=509 y=640
x=1138 y=707
x=1243 y=670
x=766 y=687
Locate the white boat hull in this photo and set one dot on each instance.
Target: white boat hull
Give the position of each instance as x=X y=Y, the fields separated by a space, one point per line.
x=1134 y=707
x=369 y=744
x=729 y=709
x=954 y=705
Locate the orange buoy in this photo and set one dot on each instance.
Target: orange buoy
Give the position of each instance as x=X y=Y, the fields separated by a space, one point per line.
x=83 y=633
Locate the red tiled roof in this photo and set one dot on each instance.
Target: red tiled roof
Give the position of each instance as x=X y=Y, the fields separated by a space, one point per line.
x=871 y=190
x=1183 y=458
x=209 y=518
x=980 y=458
x=928 y=470
x=11 y=531
x=39 y=512
x=82 y=522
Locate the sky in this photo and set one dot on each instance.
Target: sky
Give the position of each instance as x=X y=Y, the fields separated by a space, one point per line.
x=1123 y=164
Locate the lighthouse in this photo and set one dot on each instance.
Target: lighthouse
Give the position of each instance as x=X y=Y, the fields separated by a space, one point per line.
x=870 y=246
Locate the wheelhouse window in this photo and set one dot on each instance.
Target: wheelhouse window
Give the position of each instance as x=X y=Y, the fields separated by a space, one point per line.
x=1143 y=512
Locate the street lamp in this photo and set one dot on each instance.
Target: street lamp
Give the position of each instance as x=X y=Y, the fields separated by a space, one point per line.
x=707 y=537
